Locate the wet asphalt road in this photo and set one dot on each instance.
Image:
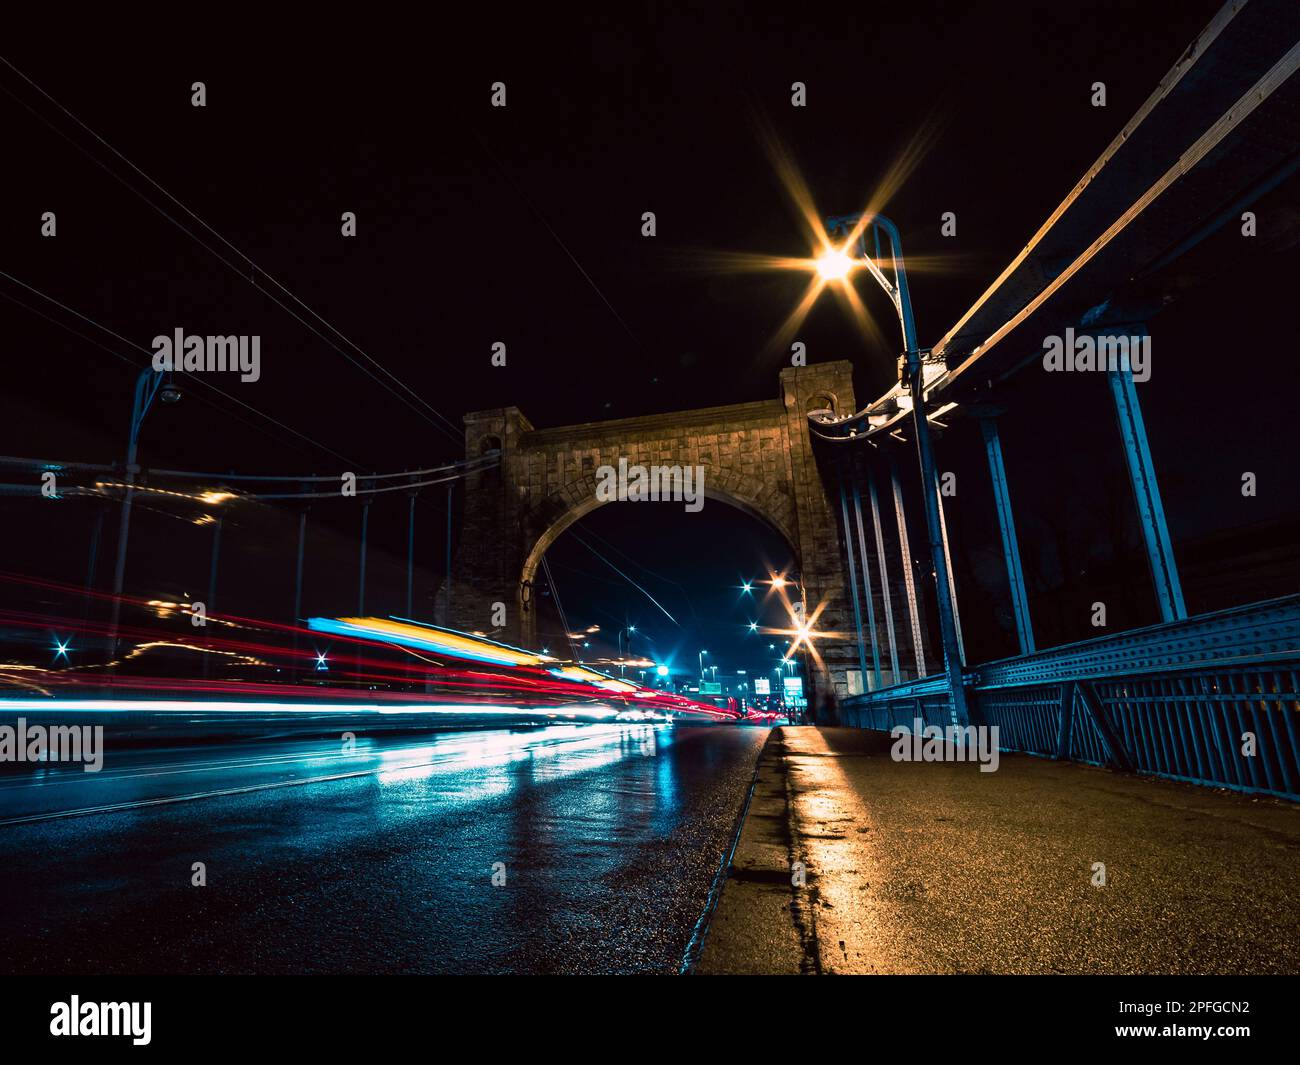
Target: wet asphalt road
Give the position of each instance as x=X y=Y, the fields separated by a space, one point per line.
x=376 y=861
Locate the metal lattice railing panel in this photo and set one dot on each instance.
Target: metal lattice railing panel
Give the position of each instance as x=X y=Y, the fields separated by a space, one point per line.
x=1213 y=700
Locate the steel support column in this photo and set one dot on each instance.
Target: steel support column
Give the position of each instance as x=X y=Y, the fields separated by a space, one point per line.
x=866 y=582
x=853 y=584
x=886 y=599
x=909 y=578
x=952 y=581
x=297 y=581
x=952 y=652
x=211 y=602
x=146 y=387
x=447 y=580
x=1007 y=526
x=216 y=558
x=410 y=558
x=92 y=564
x=361 y=584
x=1146 y=493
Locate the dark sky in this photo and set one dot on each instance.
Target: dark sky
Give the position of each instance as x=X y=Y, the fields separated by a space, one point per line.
x=521 y=225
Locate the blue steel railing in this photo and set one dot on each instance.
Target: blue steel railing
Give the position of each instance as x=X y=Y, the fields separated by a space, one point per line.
x=1179 y=700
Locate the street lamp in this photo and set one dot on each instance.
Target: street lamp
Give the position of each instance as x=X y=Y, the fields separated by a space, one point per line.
x=149 y=385
x=834 y=265
x=629 y=630
x=700 y=656
x=912 y=376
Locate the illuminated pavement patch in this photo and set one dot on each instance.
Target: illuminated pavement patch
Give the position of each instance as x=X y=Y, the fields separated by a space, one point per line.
x=938 y=868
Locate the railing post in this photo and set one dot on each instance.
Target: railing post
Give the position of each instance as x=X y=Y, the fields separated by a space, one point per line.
x=1007 y=526
x=1115 y=752
x=1065 y=729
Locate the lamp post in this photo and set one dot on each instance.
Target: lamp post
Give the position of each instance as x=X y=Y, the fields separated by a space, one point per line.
x=629 y=630
x=700 y=656
x=148 y=386
x=835 y=265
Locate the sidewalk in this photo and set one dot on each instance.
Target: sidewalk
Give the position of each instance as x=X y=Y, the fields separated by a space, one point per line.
x=939 y=868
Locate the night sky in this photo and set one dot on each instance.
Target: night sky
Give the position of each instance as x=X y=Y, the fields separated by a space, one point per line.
x=523 y=225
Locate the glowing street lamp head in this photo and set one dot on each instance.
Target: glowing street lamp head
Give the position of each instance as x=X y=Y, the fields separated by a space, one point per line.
x=778 y=581
x=753 y=626
x=834 y=265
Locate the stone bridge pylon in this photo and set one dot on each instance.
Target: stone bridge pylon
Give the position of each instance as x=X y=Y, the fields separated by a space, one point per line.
x=757 y=457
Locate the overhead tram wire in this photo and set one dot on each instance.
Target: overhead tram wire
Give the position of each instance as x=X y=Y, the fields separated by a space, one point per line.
x=449 y=428
x=316 y=445
x=463 y=469
x=201 y=380
x=630 y=581
x=556 y=237
x=686 y=595
x=435 y=504
x=490 y=459
x=559 y=607
x=457 y=471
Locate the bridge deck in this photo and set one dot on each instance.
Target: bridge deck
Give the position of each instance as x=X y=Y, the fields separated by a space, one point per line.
x=939 y=868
